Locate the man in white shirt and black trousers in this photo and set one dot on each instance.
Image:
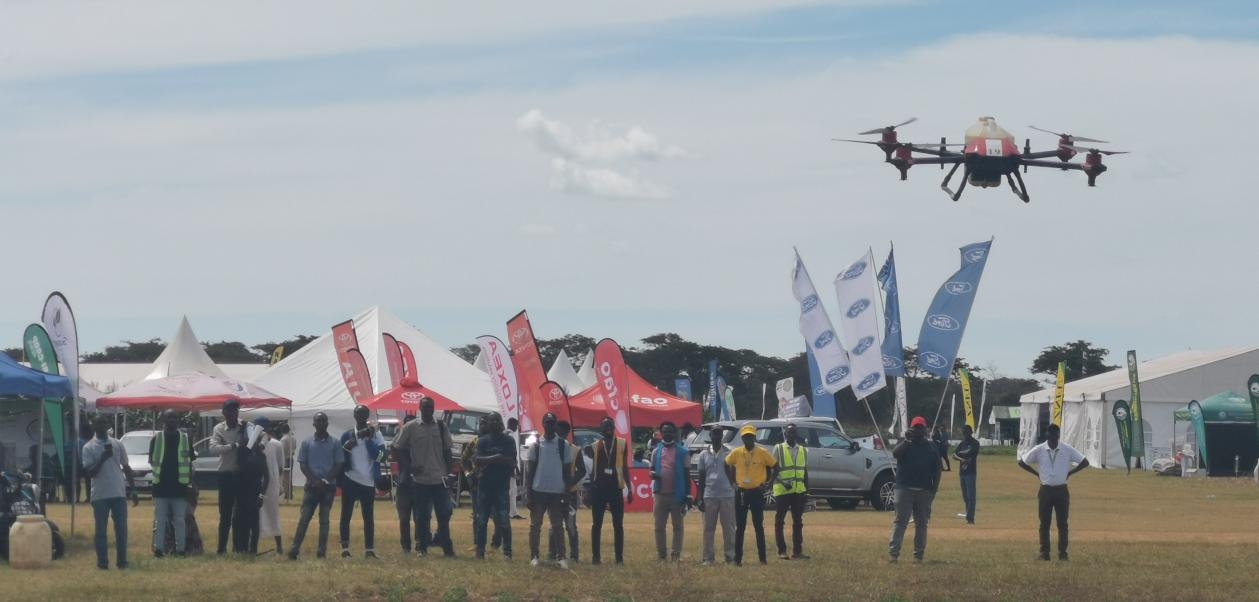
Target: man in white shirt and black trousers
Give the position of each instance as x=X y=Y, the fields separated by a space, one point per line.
x=1053 y=460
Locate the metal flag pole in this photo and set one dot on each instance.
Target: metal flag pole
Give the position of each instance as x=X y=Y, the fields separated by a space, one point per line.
x=39 y=461
x=940 y=406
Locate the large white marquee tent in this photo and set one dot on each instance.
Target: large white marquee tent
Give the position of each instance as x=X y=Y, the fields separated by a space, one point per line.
x=311 y=377
x=1167 y=384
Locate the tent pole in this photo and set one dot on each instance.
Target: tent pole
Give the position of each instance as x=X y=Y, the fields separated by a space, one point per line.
x=74 y=466
x=39 y=460
x=876 y=430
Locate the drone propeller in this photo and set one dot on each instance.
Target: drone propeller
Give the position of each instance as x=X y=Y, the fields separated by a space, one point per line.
x=888 y=128
x=1069 y=136
x=1093 y=150
x=904 y=144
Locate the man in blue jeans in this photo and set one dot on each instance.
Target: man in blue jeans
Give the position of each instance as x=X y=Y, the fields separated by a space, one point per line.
x=105 y=462
x=424 y=453
x=967 y=454
x=321 y=459
x=496 y=463
x=364 y=447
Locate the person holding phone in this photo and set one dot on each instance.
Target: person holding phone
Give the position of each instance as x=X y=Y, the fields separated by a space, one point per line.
x=105 y=462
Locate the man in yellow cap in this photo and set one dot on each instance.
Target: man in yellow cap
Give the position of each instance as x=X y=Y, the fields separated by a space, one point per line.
x=750 y=468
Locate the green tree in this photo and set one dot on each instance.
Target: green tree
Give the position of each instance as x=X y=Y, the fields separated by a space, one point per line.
x=290 y=345
x=130 y=352
x=1082 y=359
x=233 y=352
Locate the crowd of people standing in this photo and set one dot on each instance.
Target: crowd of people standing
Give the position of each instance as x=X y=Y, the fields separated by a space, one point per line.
x=730 y=484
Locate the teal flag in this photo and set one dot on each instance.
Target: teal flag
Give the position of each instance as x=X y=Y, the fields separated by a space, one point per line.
x=1252 y=387
x=43 y=357
x=1200 y=431
x=1138 y=422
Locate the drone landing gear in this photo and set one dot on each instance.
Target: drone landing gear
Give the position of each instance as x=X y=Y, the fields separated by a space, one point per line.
x=1020 y=190
x=945 y=184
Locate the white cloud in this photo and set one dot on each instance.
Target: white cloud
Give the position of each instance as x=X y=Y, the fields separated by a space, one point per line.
x=55 y=37
x=568 y=176
x=602 y=142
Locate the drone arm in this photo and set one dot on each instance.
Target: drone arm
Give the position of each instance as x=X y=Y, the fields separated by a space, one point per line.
x=1053 y=164
x=943 y=160
x=1041 y=154
x=937 y=152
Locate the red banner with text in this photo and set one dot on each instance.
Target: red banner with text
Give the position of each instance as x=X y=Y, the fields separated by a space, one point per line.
x=529 y=371
x=358 y=380
x=612 y=378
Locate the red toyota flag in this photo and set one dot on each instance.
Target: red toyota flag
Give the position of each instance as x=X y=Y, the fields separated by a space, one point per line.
x=358 y=379
x=557 y=402
x=529 y=371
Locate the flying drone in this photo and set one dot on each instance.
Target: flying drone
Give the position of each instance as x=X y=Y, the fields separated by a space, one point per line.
x=988 y=153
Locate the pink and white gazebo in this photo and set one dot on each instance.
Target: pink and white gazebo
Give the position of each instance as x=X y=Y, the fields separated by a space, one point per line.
x=192 y=392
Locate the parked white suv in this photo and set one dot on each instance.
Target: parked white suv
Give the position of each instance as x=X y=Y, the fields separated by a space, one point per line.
x=841 y=470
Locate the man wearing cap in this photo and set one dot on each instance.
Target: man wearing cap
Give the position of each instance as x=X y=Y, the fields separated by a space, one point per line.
x=321 y=459
x=1053 y=460
x=226 y=440
x=364 y=446
x=917 y=480
x=750 y=468
x=424 y=452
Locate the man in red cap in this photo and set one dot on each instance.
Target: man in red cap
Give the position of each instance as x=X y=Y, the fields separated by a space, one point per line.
x=917 y=480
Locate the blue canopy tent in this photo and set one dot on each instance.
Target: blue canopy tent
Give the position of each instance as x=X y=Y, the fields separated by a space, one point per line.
x=22 y=388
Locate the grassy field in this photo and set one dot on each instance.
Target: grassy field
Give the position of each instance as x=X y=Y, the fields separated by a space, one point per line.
x=1134 y=537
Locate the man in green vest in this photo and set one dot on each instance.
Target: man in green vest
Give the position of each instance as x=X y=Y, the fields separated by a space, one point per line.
x=791 y=489
x=171 y=456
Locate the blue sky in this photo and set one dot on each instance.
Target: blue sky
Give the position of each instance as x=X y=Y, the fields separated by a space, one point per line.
x=271 y=168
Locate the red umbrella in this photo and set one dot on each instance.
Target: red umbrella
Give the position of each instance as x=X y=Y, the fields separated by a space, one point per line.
x=406 y=398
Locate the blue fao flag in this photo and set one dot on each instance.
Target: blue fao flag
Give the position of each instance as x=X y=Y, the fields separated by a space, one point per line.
x=941 y=333
x=682 y=386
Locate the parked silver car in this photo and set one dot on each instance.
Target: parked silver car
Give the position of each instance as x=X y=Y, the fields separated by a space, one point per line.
x=841 y=470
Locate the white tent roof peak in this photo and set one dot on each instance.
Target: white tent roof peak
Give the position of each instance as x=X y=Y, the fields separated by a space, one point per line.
x=184 y=355
x=587 y=371
x=563 y=374
x=479 y=362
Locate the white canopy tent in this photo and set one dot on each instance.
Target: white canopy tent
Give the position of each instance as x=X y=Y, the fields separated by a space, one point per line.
x=311 y=376
x=563 y=374
x=184 y=355
x=586 y=374
x=1167 y=384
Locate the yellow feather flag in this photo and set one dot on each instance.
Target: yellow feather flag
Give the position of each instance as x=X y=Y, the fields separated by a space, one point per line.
x=1060 y=393
x=277 y=354
x=963 y=377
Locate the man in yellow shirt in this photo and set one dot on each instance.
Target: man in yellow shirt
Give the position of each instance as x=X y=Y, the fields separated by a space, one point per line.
x=750 y=468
